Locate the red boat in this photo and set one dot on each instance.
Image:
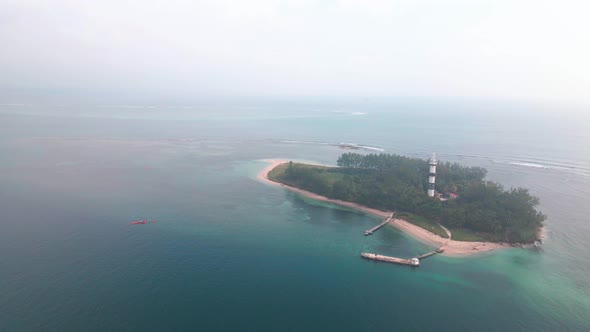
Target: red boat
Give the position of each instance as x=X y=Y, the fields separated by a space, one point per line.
x=142 y=222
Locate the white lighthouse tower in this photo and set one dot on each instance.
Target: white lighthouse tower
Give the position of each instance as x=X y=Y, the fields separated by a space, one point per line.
x=432 y=175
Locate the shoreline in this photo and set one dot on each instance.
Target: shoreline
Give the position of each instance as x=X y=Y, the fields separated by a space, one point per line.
x=451 y=247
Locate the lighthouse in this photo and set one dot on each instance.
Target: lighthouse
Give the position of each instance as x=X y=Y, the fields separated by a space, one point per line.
x=432 y=175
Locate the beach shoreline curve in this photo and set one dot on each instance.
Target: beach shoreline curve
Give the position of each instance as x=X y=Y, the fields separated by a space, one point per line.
x=451 y=247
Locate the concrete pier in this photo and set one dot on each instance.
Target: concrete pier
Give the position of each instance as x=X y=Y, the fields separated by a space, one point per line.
x=389 y=259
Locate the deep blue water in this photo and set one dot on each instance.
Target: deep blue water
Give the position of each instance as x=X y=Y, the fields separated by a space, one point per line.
x=230 y=253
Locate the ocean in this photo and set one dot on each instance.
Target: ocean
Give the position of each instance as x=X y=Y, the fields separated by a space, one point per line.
x=230 y=253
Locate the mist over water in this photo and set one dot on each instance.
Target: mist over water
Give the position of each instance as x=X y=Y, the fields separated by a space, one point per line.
x=230 y=253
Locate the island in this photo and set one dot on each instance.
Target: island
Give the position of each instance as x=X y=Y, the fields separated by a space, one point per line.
x=465 y=215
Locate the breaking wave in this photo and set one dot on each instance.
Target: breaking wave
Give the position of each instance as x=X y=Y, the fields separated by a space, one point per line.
x=127 y=106
x=350 y=113
x=343 y=145
x=525 y=164
x=547 y=165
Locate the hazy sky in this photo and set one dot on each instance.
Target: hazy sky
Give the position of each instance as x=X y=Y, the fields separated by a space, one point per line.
x=515 y=49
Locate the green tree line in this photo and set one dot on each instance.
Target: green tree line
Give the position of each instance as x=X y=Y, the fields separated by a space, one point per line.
x=394 y=182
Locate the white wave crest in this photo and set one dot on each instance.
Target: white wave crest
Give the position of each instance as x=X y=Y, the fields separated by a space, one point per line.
x=527 y=164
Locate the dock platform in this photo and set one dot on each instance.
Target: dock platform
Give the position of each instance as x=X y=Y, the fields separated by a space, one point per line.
x=372 y=230
x=389 y=259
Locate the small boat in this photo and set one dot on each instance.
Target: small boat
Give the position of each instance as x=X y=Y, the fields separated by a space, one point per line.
x=143 y=222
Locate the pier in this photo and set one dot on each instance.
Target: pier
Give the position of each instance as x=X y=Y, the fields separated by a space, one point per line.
x=372 y=230
x=428 y=254
x=389 y=259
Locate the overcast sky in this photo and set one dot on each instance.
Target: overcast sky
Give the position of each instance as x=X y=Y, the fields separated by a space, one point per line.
x=509 y=49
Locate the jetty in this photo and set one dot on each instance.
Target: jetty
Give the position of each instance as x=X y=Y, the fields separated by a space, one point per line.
x=428 y=254
x=374 y=229
x=390 y=259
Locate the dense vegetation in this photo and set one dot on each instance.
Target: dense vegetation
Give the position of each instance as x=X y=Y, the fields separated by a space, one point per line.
x=483 y=209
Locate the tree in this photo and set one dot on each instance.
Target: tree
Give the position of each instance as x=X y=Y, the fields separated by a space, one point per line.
x=393 y=182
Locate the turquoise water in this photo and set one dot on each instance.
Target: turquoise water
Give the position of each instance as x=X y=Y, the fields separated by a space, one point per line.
x=230 y=253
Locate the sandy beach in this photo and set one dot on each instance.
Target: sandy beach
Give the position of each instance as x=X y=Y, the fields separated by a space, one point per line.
x=451 y=247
